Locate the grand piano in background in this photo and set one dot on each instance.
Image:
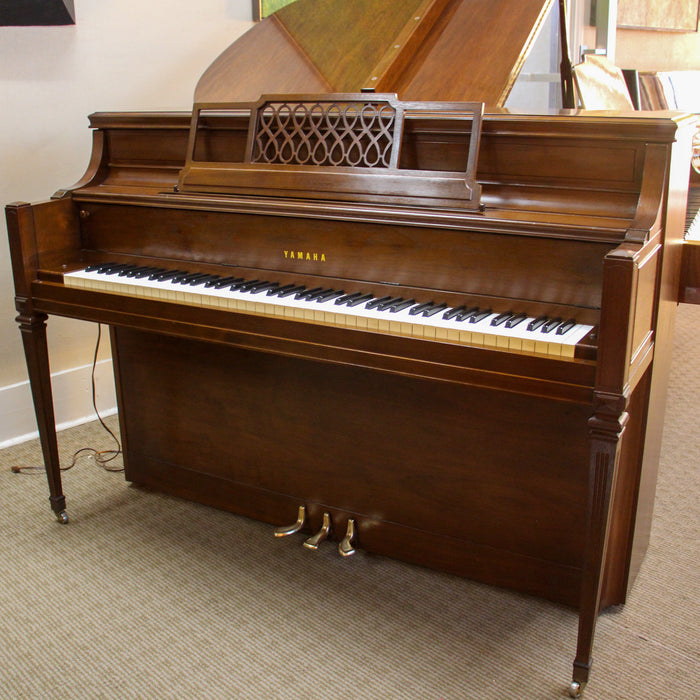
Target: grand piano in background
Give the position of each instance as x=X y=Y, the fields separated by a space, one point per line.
x=397 y=323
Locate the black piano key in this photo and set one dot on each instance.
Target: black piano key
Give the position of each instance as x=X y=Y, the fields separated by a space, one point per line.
x=374 y=303
x=200 y=278
x=291 y=289
x=167 y=275
x=115 y=269
x=96 y=267
x=147 y=272
x=434 y=310
x=105 y=267
x=203 y=280
x=263 y=286
x=400 y=305
x=308 y=292
x=225 y=282
x=468 y=314
x=327 y=296
x=246 y=285
x=536 y=323
x=480 y=316
x=453 y=312
x=384 y=305
x=513 y=321
x=133 y=271
x=360 y=300
x=126 y=270
x=272 y=291
x=185 y=274
x=566 y=326
x=347 y=298
x=501 y=318
x=173 y=275
x=314 y=295
x=551 y=325
x=420 y=308
x=192 y=277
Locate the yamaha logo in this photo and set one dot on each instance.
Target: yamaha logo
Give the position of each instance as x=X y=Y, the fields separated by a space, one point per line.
x=304 y=255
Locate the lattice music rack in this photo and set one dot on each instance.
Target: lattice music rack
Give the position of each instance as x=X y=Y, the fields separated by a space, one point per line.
x=340 y=146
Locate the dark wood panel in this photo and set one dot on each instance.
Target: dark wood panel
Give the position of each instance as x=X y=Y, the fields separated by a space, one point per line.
x=294 y=55
x=509 y=266
x=509 y=475
x=481 y=563
x=623 y=546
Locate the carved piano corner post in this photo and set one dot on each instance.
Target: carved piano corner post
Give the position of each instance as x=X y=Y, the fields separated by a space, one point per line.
x=606 y=429
x=20 y=225
x=33 y=329
x=638 y=306
x=629 y=275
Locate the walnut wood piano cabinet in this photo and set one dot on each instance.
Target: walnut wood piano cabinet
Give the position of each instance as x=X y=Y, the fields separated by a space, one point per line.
x=514 y=467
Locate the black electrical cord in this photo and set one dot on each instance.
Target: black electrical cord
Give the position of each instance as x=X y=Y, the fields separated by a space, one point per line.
x=101 y=457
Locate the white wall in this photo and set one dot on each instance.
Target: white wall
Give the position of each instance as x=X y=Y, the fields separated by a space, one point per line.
x=121 y=55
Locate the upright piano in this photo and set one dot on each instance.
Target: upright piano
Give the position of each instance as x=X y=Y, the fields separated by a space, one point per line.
x=347 y=301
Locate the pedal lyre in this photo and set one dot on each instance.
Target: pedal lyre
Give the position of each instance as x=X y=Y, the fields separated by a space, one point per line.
x=285 y=530
x=322 y=534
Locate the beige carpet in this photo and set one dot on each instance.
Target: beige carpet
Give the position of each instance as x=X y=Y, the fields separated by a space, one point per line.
x=146 y=596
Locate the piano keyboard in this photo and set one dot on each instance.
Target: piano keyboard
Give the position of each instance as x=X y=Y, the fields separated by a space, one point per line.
x=463 y=325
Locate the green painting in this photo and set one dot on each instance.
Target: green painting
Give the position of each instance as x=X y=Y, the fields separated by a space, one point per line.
x=264 y=8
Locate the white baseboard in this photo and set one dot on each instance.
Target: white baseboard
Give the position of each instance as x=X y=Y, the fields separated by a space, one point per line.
x=72 y=396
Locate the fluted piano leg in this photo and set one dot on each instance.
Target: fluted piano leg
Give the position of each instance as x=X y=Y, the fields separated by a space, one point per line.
x=606 y=428
x=33 y=329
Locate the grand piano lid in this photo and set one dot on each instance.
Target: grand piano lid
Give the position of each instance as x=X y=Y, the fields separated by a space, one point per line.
x=448 y=50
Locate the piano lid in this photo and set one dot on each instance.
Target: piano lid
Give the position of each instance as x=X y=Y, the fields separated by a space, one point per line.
x=447 y=50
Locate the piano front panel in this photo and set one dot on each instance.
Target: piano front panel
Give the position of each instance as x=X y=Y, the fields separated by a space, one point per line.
x=277 y=432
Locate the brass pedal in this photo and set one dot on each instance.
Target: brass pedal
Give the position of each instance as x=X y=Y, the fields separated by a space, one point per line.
x=322 y=534
x=345 y=547
x=285 y=530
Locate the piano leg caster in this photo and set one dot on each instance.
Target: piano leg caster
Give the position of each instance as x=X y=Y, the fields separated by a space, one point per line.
x=285 y=530
x=345 y=546
x=62 y=517
x=576 y=689
x=315 y=540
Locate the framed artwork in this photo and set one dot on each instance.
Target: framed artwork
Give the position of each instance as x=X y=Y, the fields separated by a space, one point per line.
x=662 y=15
x=36 y=12
x=264 y=8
